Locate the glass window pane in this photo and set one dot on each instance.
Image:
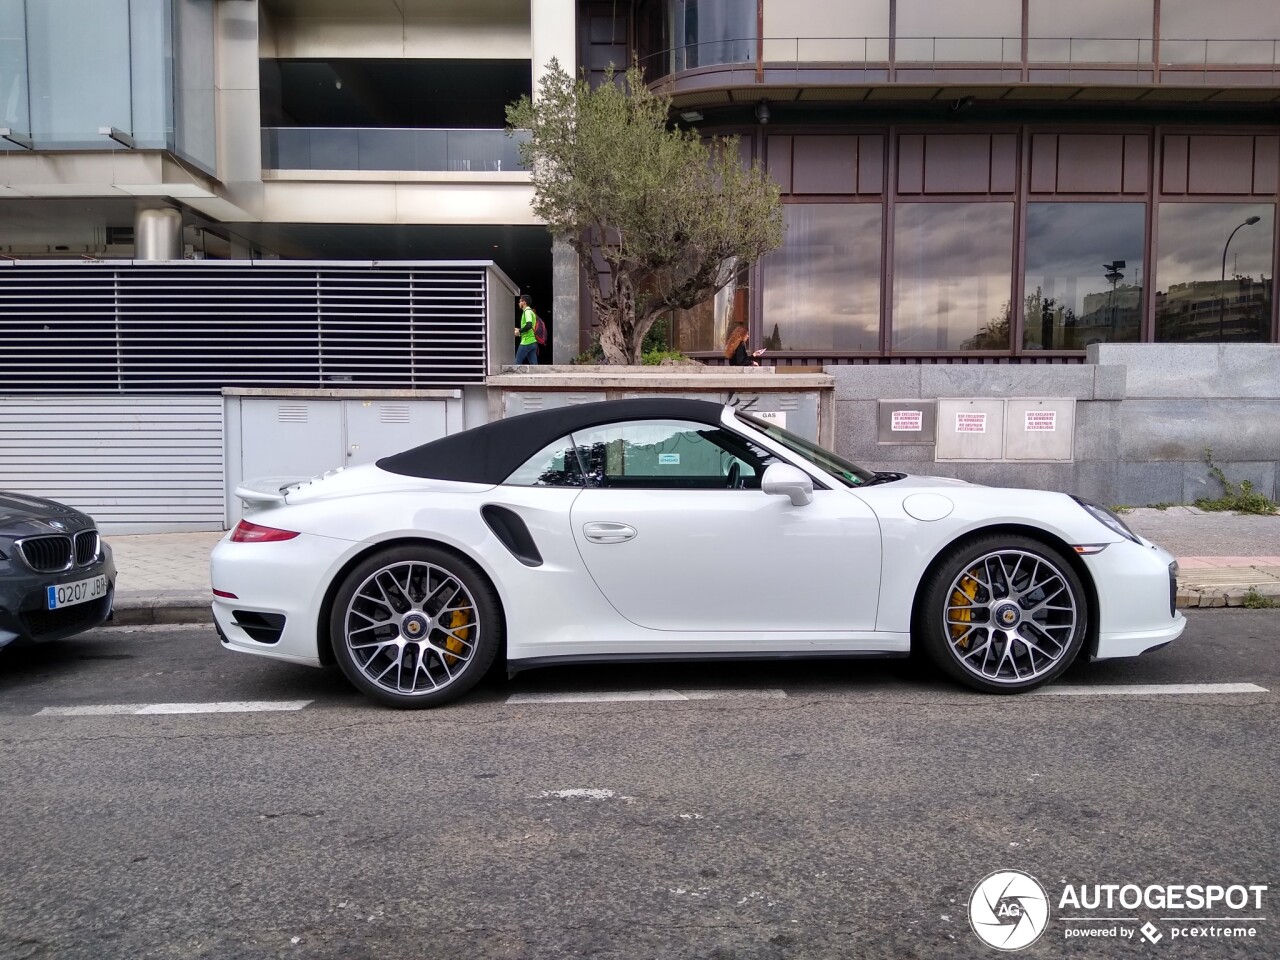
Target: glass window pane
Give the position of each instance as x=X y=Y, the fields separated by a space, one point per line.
x=959 y=30
x=683 y=34
x=818 y=30
x=193 y=96
x=556 y=465
x=1198 y=245
x=705 y=326
x=1090 y=31
x=1229 y=31
x=670 y=455
x=78 y=56
x=953 y=267
x=150 y=33
x=1084 y=274
x=13 y=68
x=822 y=286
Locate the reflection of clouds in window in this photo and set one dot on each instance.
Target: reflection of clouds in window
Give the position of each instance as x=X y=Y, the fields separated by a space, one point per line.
x=1228 y=31
x=1191 y=238
x=1091 y=19
x=822 y=286
x=952 y=267
x=1068 y=243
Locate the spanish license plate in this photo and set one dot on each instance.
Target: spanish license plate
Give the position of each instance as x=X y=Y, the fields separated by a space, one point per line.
x=82 y=591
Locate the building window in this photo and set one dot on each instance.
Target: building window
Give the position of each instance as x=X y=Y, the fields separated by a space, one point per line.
x=677 y=35
x=822 y=286
x=1194 y=32
x=704 y=327
x=818 y=31
x=1213 y=272
x=986 y=31
x=952 y=273
x=1084 y=274
x=1089 y=31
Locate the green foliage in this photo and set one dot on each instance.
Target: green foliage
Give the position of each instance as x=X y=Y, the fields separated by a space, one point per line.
x=1119 y=508
x=1257 y=601
x=659 y=336
x=655 y=357
x=1241 y=499
x=659 y=220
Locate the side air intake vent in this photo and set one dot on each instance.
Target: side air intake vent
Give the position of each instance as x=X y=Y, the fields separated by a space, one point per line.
x=511 y=530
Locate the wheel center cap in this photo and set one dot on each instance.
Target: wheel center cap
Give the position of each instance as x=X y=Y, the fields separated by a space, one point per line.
x=1008 y=614
x=414 y=626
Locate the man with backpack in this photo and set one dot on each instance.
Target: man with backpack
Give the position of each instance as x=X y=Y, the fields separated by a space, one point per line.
x=531 y=331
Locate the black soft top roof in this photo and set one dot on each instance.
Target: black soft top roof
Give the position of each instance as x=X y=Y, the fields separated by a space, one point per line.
x=490 y=453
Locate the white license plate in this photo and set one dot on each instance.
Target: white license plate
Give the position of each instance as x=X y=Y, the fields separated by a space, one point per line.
x=82 y=591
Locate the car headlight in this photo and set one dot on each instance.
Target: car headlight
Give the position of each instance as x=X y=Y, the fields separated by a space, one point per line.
x=1108 y=519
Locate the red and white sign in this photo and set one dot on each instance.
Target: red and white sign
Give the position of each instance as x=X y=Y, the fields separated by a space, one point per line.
x=912 y=420
x=1041 y=420
x=971 y=423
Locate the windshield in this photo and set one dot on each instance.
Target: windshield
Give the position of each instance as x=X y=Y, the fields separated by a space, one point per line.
x=847 y=473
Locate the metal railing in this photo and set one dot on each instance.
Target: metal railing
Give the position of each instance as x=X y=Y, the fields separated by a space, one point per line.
x=878 y=52
x=390 y=148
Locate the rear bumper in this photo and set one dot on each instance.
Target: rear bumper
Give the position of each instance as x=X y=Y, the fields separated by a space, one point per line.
x=278 y=594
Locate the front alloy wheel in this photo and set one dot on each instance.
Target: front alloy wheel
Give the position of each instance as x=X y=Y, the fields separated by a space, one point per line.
x=415 y=626
x=1004 y=614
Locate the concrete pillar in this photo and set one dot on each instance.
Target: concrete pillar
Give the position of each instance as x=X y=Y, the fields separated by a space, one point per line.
x=565 y=307
x=553 y=32
x=157 y=234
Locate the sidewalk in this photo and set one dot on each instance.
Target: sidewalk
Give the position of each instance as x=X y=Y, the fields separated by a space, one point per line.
x=164 y=577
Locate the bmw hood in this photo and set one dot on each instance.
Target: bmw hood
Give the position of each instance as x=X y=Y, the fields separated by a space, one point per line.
x=19 y=508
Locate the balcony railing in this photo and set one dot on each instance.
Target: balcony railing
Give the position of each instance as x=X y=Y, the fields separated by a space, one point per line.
x=390 y=148
x=872 y=53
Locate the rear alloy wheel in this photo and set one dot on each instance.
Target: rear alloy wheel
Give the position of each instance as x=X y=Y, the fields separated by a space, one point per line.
x=1003 y=614
x=415 y=626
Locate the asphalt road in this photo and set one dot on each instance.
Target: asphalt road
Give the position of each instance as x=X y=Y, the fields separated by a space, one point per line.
x=838 y=809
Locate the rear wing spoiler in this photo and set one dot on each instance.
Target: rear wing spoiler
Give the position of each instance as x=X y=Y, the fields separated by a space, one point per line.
x=266 y=491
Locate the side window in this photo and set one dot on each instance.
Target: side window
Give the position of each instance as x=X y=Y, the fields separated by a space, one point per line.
x=670 y=455
x=555 y=465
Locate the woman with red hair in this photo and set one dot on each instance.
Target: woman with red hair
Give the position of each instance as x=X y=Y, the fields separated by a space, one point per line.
x=735 y=348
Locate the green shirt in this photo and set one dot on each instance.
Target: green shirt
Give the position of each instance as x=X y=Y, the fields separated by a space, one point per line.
x=528 y=323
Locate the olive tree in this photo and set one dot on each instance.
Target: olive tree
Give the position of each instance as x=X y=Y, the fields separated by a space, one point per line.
x=659 y=219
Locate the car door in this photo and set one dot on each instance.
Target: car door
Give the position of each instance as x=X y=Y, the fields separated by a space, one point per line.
x=676 y=532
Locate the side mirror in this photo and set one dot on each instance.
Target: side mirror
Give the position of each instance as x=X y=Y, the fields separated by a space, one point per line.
x=784 y=480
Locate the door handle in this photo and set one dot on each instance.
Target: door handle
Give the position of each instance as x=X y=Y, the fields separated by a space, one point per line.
x=608 y=532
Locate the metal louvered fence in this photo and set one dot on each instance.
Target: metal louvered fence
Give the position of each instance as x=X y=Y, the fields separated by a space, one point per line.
x=192 y=327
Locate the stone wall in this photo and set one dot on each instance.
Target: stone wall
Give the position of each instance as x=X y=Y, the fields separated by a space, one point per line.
x=1145 y=414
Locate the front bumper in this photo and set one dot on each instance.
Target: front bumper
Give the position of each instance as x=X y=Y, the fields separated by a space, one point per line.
x=24 y=613
x=1135 y=598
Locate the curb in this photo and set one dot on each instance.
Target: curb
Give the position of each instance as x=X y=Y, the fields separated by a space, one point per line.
x=1202 y=597
x=162 y=608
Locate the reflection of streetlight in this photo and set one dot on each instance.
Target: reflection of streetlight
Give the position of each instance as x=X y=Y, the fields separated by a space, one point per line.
x=1114 y=275
x=1222 y=281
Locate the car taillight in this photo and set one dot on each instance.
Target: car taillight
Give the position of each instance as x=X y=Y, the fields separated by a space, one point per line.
x=246 y=532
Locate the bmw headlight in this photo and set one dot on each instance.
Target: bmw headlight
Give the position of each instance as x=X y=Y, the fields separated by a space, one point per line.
x=1108 y=519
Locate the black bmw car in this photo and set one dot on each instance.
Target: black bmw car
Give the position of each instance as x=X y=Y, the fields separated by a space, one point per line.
x=56 y=574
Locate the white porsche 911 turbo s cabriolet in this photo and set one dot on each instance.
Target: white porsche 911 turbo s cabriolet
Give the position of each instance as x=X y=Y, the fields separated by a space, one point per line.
x=661 y=529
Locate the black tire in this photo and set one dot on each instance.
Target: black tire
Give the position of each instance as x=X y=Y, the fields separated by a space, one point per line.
x=962 y=621
x=431 y=638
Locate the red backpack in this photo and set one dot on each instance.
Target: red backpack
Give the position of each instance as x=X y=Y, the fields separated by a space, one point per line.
x=539 y=330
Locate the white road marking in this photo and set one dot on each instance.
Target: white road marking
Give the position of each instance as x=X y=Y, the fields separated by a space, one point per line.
x=625 y=696
x=138 y=709
x=1146 y=689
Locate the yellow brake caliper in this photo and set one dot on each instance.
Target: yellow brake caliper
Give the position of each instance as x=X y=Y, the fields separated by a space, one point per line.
x=957 y=619
x=460 y=632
